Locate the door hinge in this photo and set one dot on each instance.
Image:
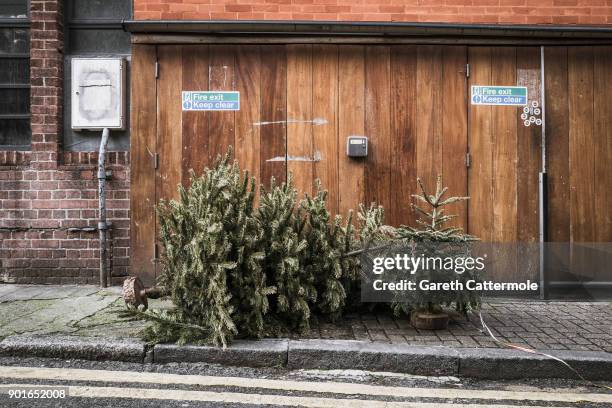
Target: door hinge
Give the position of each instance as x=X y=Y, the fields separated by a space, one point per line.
x=468 y=159
x=155 y=161
x=467 y=70
x=155 y=252
x=156 y=69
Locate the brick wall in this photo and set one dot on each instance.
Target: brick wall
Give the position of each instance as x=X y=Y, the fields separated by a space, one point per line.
x=452 y=11
x=48 y=198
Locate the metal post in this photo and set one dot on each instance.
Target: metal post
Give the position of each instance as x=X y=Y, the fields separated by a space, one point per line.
x=102 y=225
x=543 y=186
x=543 y=215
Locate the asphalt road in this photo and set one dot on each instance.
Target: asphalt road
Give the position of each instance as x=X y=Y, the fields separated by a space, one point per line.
x=110 y=384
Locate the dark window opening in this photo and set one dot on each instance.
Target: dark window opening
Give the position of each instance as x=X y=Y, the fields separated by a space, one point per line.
x=15 y=130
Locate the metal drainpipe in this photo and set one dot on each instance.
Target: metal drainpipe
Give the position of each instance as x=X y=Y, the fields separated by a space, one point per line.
x=102 y=225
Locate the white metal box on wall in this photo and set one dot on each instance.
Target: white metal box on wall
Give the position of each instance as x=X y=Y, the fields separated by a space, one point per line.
x=98 y=93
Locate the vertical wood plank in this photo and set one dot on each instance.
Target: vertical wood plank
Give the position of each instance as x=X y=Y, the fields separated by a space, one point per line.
x=504 y=176
x=454 y=130
x=557 y=158
x=248 y=76
x=222 y=77
x=273 y=128
x=378 y=125
x=169 y=124
x=403 y=102
x=196 y=139
x=143 y=130
x=602 y=140
x=299 y=116
x=324 y=109
x=169 y=138
x=528 y=142
x=557 y=143
x=528 y=147
x=582 y=148
x=602 y=143
x=504 y=150
x=429 y=115
x=351 y=121
x=480 y=173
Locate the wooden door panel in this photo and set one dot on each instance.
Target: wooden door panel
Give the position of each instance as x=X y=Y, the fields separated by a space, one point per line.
x=378 y=125
x=454 y=130
x=325 y=105
x=351 y=121
x=505 y=163
x=196 y=137
x=579 y=136
x=403 y=142
x=300 y=152
x=429 y=114
x=143 y=144
x=222 y=77
x=273 y=108
x=169 y=123
x=480 y=178
x=247 y=141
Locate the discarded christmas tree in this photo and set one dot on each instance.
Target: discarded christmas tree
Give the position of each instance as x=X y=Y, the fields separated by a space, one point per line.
x=211 y=261
x=284 y=249
x=323 y=256
x=446 y=247
x=234 y=270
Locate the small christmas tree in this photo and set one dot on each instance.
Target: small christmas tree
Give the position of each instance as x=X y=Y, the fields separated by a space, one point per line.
x=436 y=241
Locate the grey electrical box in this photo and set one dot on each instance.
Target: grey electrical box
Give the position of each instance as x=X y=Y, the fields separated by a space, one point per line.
x=357 y=146
x=98 y=93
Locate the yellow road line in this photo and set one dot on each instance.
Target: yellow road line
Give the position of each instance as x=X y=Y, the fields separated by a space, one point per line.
x=75 y=374
x=254 y=399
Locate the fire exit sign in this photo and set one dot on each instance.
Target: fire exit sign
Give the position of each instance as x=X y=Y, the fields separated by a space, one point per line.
x=211 y=100
x=499 y=95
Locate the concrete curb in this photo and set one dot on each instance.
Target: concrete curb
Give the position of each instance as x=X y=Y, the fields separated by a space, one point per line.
x=263 y=353
x=494 y=364
x=72 y=347
x=483 y=363
x=351 y=354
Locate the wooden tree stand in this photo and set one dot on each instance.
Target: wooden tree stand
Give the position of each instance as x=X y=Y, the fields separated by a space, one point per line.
x=135 y=293
x=429 y=321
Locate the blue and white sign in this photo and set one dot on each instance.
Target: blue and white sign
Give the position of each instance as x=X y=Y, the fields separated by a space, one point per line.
x=499 y=95
x=211 y=100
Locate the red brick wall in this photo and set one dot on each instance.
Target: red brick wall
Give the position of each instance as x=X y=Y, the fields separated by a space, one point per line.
x=451 y=11
x=48 y=196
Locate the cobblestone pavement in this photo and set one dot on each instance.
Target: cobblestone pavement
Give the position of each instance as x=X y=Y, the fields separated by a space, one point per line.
x=552 y=325
x=537 y=324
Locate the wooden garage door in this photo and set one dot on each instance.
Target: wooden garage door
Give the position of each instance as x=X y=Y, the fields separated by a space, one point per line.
x=301 y=102
x=505 y=163
x=579 y=151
